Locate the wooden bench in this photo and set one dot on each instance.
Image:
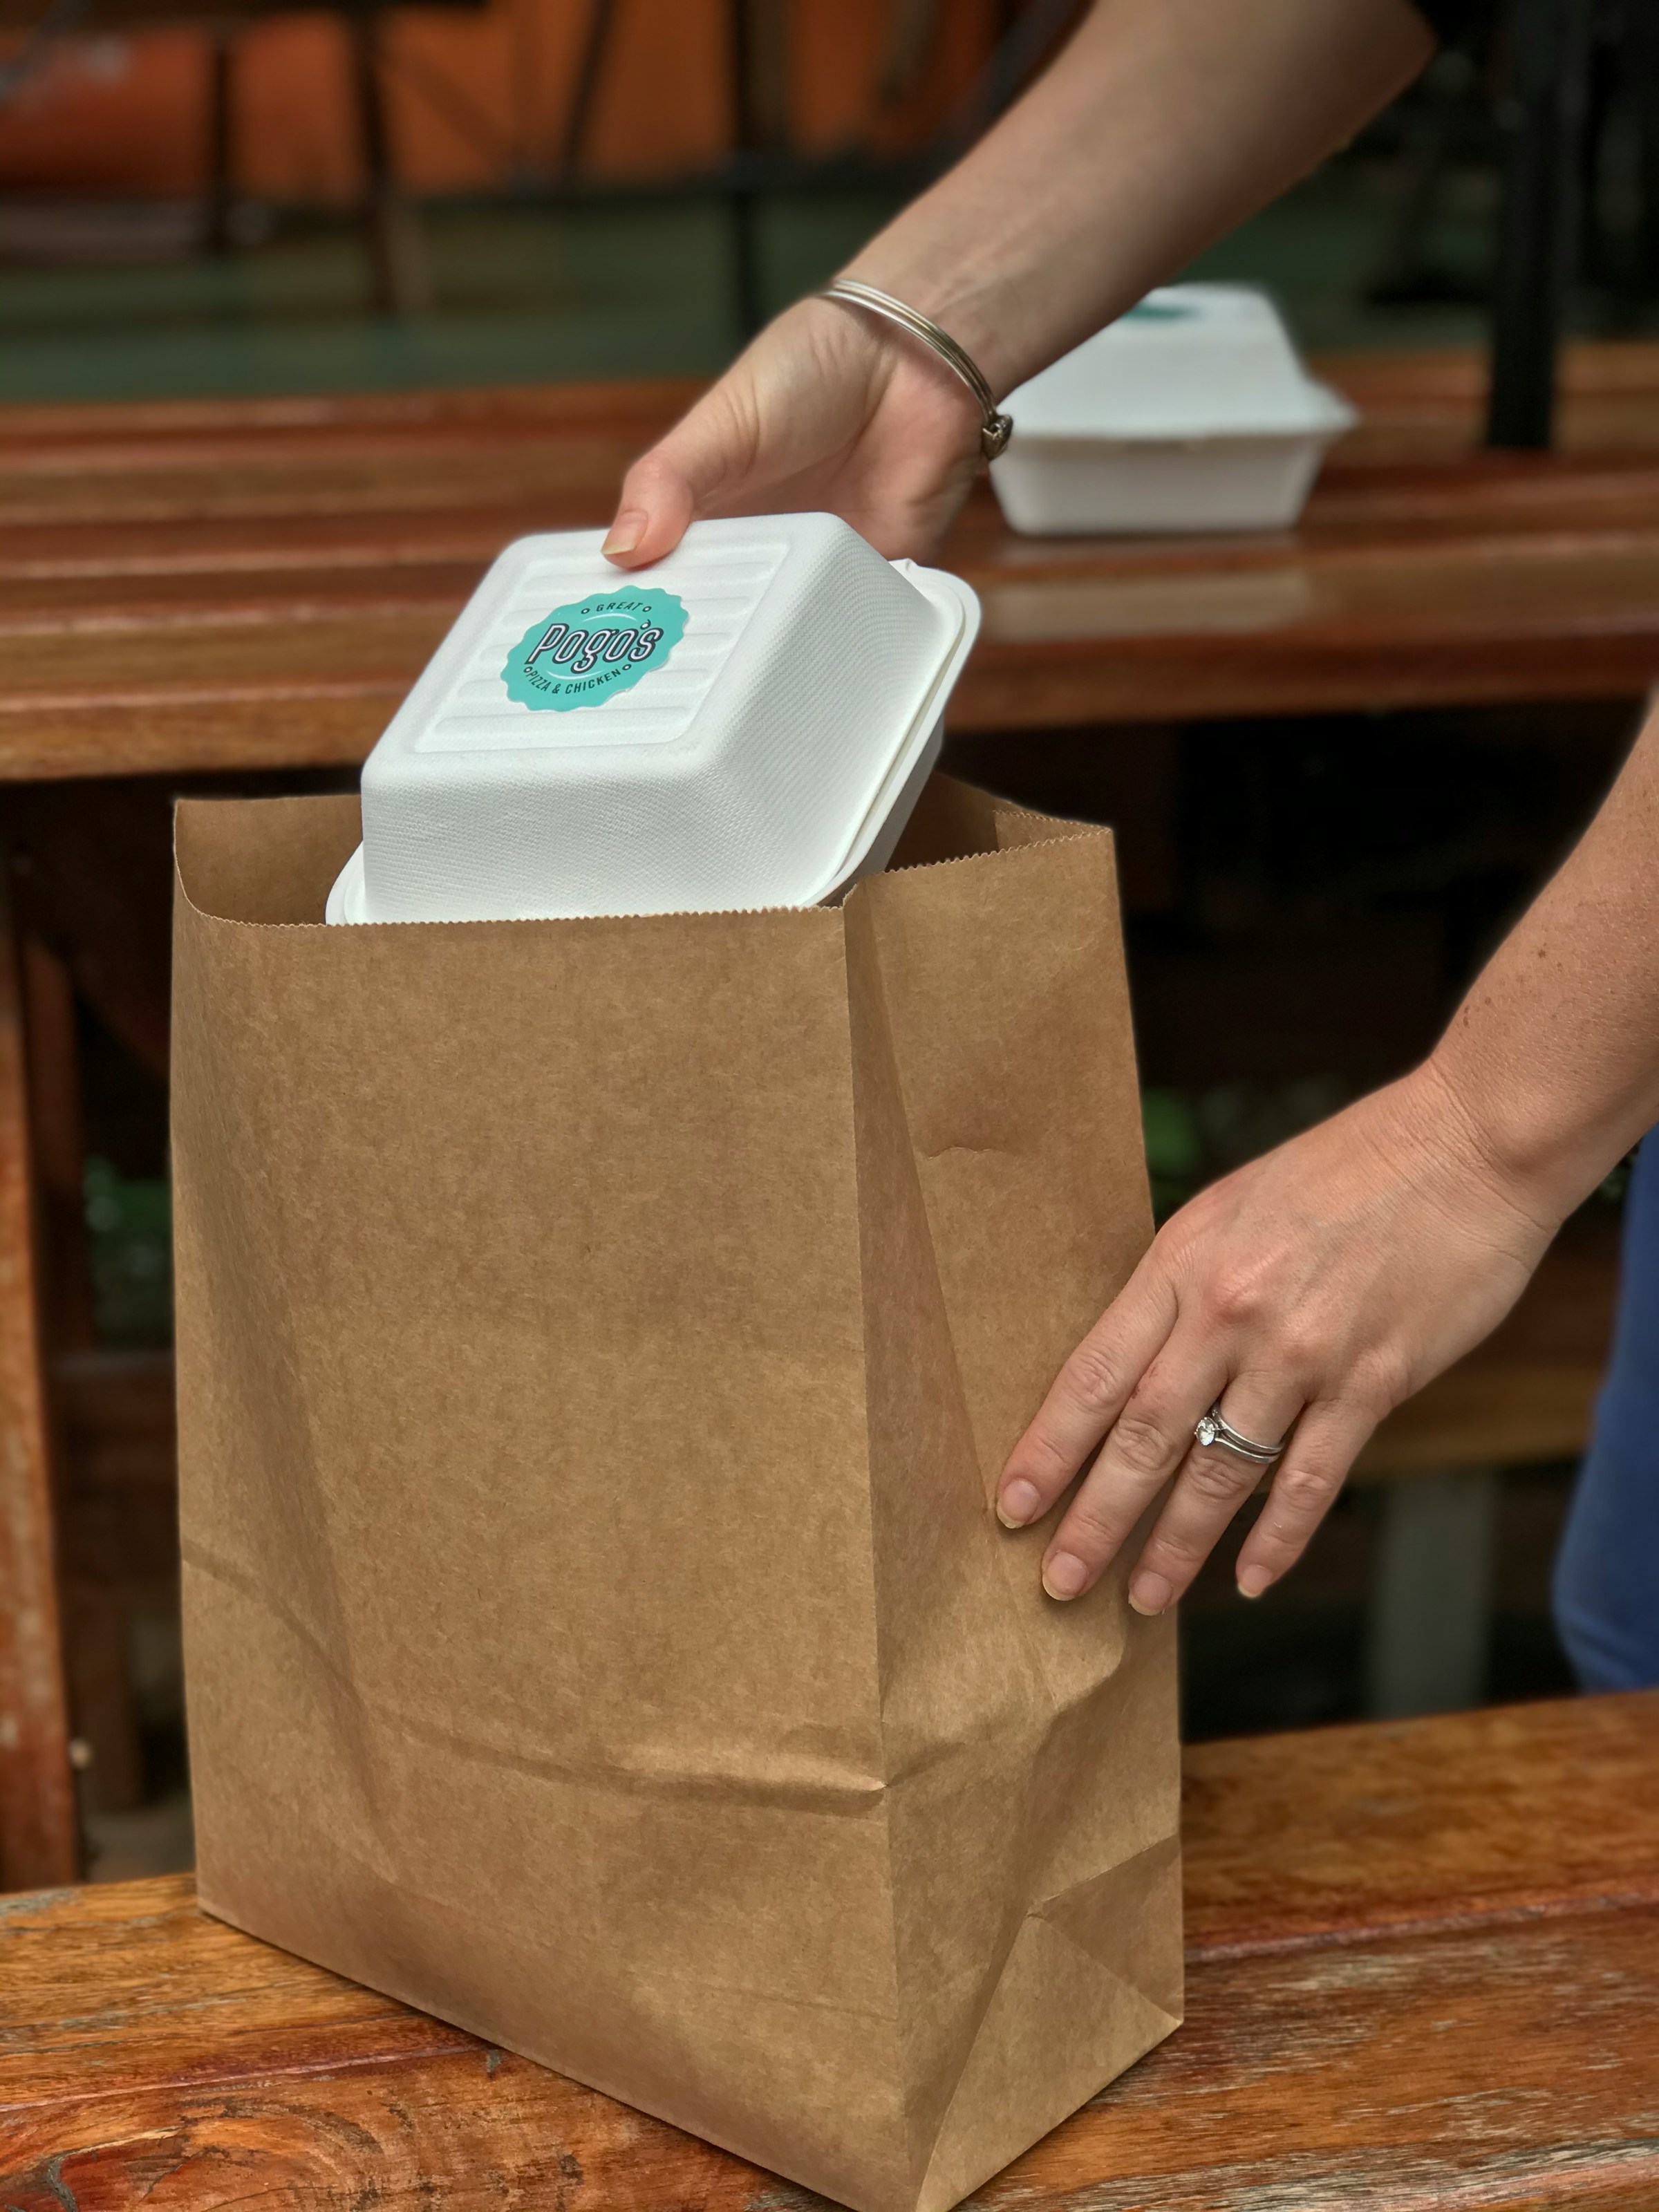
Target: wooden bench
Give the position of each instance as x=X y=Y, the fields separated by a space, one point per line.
x=196 y=586
x=1423 y=1970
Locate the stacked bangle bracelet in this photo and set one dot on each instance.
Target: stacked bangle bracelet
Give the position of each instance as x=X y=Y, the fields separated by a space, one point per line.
x=997 y=428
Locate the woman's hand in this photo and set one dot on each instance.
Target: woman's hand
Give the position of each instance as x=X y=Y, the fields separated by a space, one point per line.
x=1308 y=1294
x=829 y=410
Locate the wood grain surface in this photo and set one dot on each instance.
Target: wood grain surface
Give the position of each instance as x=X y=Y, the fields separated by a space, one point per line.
x=198 y=586
x=1330 y=1834
x=1424 y=1974
x=38 y=1834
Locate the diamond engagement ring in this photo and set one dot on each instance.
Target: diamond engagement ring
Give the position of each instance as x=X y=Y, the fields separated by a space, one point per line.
x=1213 y=1429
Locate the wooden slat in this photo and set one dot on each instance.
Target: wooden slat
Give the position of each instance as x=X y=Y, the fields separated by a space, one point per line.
x=203 y=586
x=572 y=408
x=1436 y=400
x=164 y=483
x=1330 y=1835
x=37 y=1841
x=1465 y=2042
x=1604 y=405
x=1505 y=2069
x=202 y=732
x=272 y=713
x=237 y=680
x=116 y=1413
x=1494 y=2072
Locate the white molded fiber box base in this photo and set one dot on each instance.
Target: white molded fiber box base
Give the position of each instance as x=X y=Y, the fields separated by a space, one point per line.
x=1191 y=412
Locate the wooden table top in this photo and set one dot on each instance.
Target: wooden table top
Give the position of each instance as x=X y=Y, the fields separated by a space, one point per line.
x=1424 y=1971
x=201 y=586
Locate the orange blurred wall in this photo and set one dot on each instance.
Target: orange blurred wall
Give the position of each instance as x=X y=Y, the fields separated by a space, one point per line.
x=477 y=97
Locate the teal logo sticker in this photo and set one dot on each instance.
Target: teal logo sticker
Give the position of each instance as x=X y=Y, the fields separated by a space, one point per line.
x=578 y=655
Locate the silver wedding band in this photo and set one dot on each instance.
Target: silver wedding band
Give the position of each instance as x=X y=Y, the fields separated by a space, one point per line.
x=1214 y=1429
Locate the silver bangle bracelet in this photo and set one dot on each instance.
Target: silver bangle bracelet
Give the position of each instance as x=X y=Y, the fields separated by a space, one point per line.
x=997 y=428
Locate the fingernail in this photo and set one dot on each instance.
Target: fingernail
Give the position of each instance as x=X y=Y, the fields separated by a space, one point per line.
x=1150 y=1594
x=1064 y=1575
x=1017 y=1504
x=1252 y=1581
x=625 y=533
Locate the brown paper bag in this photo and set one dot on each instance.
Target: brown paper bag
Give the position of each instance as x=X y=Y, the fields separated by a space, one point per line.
x=598 y=1342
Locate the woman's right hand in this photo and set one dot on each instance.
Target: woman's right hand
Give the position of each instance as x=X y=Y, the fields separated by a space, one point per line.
x=829 y=410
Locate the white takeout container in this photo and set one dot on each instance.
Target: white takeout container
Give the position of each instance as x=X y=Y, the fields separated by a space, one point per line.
x=765 y=751
x=1191 y=412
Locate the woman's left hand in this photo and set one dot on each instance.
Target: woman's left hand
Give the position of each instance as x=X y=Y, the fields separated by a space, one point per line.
x=1307 y=1294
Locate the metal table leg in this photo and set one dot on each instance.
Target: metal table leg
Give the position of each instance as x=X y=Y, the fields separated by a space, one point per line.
x=402 y=283
x=1544 y=119
x=1430 y=1633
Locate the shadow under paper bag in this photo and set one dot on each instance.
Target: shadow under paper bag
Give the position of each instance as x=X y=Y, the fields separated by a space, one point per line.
x=598 y=1342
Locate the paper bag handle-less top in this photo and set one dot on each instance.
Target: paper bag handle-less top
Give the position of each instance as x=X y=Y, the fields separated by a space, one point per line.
x=745 y=723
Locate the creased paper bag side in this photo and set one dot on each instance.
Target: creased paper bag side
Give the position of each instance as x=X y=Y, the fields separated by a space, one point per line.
x=551 y=1495
x=1032 y=1749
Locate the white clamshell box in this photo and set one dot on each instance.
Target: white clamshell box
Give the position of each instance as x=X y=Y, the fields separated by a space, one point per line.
x=1191 y=412
x=745 y=723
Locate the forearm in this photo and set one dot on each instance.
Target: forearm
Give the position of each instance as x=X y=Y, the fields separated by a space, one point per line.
x=1162 y=126
x=1552 y=1059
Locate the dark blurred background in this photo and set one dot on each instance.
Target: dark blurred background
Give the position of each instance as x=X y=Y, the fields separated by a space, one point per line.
x=615 y=188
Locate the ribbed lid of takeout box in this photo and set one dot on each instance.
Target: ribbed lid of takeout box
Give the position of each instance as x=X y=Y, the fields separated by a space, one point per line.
x=730 y=727
x=1191 y=361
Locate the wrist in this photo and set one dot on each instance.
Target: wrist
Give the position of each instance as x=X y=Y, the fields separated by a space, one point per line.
x=1498 y=1135
x=952 y=299
x=900 y=360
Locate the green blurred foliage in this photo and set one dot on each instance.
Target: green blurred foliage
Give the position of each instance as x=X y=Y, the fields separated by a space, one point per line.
x=130 y=1232
x=1193 y=1136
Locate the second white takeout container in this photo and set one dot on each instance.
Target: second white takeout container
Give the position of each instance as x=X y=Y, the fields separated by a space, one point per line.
x=768 y=757
x=1191 y=412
